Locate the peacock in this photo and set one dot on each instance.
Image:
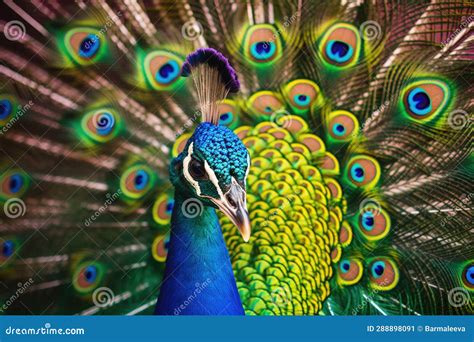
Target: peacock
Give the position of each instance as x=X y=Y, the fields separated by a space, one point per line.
x=236 y=157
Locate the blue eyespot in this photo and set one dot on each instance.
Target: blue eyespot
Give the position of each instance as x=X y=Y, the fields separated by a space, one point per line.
x=338 y=51
x=8 y=248
x=419 y=102
x=368 y=220
x=357 y=172
x=5 y=109
x=141 y=179
x=105 y=123
x=16 y=183
x=90 y=273
x=167 y=242
x=338 y=129
x=167 y=72
x=378 y=268
x=89 y=46
x=263 y=50
x=470 y=275
x=225 y=118
x=169 y=206
x=345 y=266
x=301 y=100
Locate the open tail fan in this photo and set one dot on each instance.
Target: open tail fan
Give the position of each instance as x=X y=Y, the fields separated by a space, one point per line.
x=357 y=117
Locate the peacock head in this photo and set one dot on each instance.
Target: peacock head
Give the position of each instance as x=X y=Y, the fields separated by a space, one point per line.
x=213 y=168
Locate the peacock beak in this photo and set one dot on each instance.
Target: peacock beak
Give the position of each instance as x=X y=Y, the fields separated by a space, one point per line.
x=234 y=205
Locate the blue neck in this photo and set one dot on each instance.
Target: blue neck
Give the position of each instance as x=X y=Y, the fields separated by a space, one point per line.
x=198 y=279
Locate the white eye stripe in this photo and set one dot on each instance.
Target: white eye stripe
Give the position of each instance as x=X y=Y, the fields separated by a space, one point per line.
x=212 y=176
x=209 y=171
x=186 y=173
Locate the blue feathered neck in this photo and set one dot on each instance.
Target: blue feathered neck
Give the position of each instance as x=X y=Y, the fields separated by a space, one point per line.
x=198 y=279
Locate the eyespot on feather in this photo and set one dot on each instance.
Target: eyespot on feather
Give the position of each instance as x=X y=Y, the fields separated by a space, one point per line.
x=383 y=273
x=340 y=45
x=262 y=44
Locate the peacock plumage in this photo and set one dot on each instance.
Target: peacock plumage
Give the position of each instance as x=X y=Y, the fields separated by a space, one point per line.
x=344 y=128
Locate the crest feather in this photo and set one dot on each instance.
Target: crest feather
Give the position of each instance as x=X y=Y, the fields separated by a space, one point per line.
x=213 y=77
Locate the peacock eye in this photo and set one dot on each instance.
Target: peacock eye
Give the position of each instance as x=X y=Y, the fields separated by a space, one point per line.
x=88 y=276
x=340 y=45
x=5 y=108
x=350 y=271
x=363 y=171
x=196 y=169
x=13 y=183
x=161 y=69
x=229 y=114
x=262 y=44
x=468 y=276
x=100 y=125
x=342 y=125
x=425 y=99
x=383 y=274
x=84 y=45
x=8 y=248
